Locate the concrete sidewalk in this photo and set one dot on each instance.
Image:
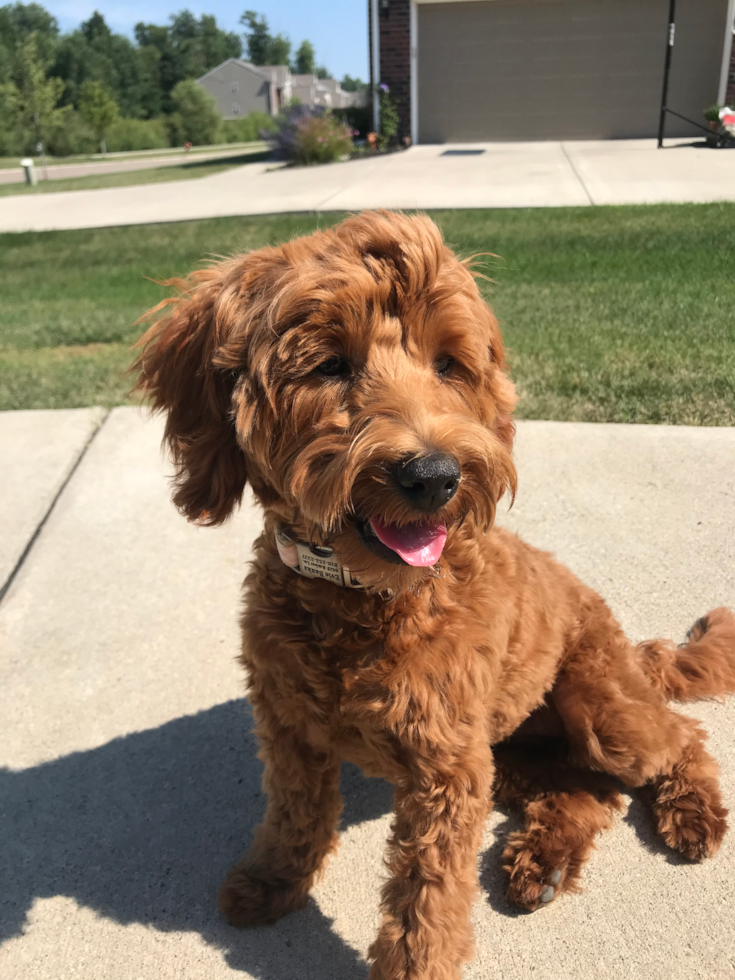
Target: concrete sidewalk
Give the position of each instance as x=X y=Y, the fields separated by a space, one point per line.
x=425 y=177
x=130 y=781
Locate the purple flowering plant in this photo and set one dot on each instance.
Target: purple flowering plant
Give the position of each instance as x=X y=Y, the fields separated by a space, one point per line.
x=309 y=135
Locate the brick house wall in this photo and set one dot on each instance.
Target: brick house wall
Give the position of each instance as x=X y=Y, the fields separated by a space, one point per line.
x=730 y=97
x=394 y=25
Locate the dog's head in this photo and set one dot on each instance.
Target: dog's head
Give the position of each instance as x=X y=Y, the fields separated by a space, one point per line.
x=354 y=377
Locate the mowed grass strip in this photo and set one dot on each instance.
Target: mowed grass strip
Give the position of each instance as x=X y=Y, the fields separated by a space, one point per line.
x=622 y=314
x=164 y=173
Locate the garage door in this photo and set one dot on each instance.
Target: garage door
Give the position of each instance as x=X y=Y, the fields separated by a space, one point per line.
x=562 y=69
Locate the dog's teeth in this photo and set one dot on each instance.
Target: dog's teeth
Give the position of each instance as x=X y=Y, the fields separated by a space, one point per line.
x=547 y=894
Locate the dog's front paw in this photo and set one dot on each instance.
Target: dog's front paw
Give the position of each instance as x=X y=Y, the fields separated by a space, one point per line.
x=249 y=901
x=536 y=877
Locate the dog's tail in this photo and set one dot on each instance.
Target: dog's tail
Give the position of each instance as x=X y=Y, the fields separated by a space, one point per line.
x=703 y=667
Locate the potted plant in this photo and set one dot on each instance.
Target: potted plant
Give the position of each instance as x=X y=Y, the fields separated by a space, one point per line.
x=712 y=115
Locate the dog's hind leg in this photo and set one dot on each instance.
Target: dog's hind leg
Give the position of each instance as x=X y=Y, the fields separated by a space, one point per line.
x=618 y=722
x=564 y=810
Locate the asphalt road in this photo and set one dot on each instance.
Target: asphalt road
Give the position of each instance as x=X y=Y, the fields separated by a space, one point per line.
x=62 y=171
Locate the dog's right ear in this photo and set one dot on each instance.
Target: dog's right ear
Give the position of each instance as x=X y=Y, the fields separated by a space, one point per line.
x=177 y=371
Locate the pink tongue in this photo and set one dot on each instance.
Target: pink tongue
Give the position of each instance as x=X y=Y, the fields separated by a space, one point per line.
x=417 y=544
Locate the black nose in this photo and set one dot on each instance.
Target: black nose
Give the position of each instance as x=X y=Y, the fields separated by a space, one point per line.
x=428 y=482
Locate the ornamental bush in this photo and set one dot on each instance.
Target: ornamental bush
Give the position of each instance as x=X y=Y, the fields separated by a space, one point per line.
x=247 y=128
x=310 y=135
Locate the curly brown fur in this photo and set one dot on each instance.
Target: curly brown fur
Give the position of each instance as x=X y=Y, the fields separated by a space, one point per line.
x=419 y=675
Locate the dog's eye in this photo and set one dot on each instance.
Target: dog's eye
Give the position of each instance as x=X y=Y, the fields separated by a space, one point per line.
x=334 y=367
x=443 y=365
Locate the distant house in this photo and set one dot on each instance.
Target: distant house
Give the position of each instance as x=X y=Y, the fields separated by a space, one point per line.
x=484 y=70
x=282 y=79
x=240 y=87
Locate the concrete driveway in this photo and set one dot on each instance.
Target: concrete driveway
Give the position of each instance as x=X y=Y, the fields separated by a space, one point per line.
x=470 y=176
x=129 y=780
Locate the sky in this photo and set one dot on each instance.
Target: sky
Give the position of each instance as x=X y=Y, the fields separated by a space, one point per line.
x=336 y=28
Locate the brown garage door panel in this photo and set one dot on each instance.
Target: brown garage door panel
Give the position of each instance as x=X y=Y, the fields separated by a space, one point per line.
x=561 y=69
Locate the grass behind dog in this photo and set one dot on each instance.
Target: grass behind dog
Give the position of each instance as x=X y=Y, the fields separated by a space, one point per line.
x=615 y=314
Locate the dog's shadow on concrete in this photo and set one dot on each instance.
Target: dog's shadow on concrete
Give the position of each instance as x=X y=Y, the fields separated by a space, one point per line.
x=144 y=829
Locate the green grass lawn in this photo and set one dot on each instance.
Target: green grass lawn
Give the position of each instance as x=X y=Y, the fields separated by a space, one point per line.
x=126 y=178
x=622 y=314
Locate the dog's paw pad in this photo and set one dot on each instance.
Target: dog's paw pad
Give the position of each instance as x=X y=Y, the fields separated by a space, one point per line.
x=555 y=877
x=547 y=895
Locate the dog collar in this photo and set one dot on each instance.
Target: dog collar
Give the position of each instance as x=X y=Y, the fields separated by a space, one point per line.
x=313 y=561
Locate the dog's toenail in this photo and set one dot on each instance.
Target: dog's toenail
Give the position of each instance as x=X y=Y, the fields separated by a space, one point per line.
x=555 y=877
x=547 y=894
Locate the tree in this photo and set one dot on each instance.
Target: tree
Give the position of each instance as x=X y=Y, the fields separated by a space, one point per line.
x=187 y=48
x=197 y=119
x=279 y=52
x=262 y=47
x=95 y=29
x=38 y=96
x=321 y=72
x=9 y=117
x=257 y=37
x=350 y=84
x=17 y=22
x=99 y=109
x=305 y=59
x=217 y=45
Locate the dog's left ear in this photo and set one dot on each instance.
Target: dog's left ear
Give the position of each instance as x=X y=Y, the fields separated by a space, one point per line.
x=179 y=373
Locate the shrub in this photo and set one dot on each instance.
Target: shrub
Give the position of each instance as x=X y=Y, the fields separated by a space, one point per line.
x=246 y=129
x=310 y=135
x=357 y=117
x=389 y=119
x=713 y=113
x=196 y=119
x=137 y=134
x=75 y=138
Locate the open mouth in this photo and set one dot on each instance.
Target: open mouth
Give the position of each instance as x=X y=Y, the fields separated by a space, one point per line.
x=419 y=545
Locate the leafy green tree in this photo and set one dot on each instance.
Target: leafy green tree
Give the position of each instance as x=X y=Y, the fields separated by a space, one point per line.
x=187 y=48
x=321 y=72
x=94 y=52
x=17 y=22
x=9 y=118
x=305 y=59
x=280 y=51
x=151 y=93
x=95 y=30
x=167 y=66
x=350 y=84
x=196 y=119
x=98 y=108
x=257 y=37
x=263 y=48
x=217 y=45
x=38 y=96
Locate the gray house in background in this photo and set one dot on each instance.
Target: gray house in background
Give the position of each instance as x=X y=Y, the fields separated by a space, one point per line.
x=239 y=88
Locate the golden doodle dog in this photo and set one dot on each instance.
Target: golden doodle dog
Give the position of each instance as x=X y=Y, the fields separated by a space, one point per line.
x=355 y=378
